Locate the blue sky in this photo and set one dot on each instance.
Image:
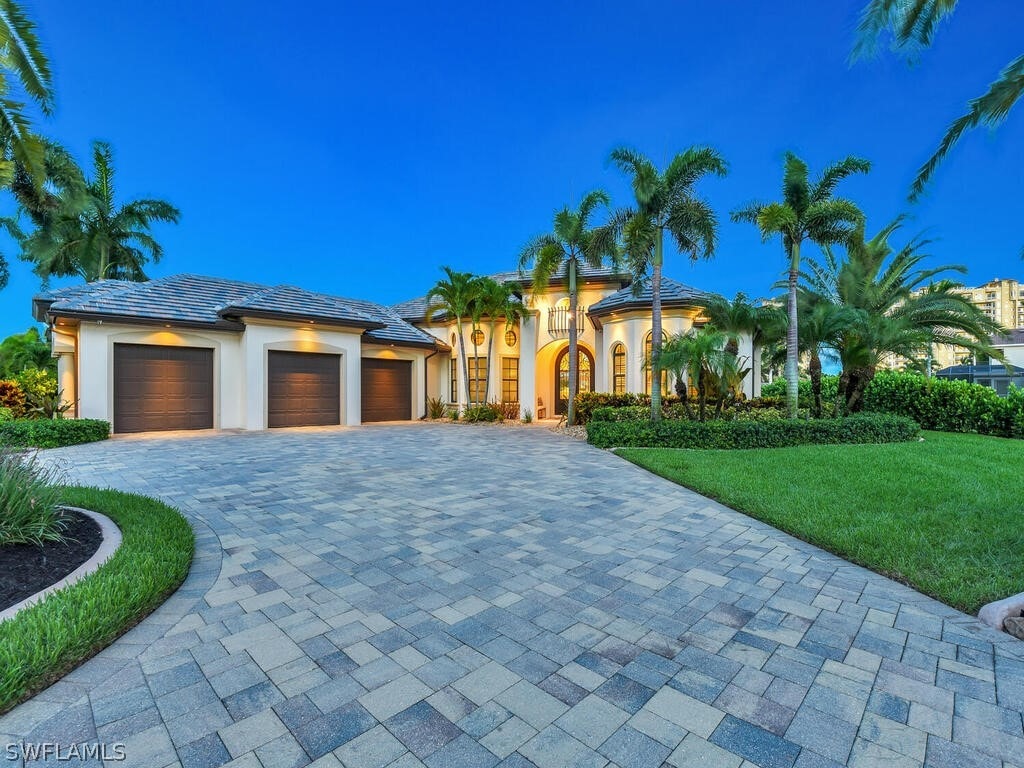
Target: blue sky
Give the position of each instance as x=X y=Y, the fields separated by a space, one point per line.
x=354 y=148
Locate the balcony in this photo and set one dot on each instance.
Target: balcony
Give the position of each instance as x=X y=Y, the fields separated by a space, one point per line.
x=558 y=322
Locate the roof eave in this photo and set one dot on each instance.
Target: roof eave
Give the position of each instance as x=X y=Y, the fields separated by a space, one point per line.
x=243 y=312
x=101 y=317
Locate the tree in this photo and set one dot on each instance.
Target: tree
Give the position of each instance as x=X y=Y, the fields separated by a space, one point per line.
x=807 y=211
x=24 y=350
x=572 y=242
x=25 y=78
x=822 y=324
x=454 y=296
x=665 y=202
x=912 y=25
x=895 y=307
x=92 y=236
x=498 y=300
x=700 y=355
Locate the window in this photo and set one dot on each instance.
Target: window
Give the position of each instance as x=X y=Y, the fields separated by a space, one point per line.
x=454 y=381
x=510 y=338
x=619 y=369
x=477 y=338
x=510 y=379
x=647 y=357
x=477 y=378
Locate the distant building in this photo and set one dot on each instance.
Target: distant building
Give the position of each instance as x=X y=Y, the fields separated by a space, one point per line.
x=994 y=375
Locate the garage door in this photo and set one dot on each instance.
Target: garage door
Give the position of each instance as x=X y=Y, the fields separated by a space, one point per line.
x=161 y=388
x=387 y=390
x=303 y=389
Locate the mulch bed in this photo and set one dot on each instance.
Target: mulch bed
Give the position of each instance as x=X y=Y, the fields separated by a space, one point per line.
x=27 y=568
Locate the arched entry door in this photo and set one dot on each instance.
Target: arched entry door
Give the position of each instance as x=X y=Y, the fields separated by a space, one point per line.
x=586 y=377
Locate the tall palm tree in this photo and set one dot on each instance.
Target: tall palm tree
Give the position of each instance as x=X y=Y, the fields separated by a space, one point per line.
x=571 y=242
x=454 y=296
x=808 y=211
x=665 y=202
x=912 y=24
x=93 y=236
x=897 y=308
x=25 y=78
x=499 y=301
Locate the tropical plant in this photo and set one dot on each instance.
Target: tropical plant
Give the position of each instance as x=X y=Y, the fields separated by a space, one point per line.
x=24 y=350
x=454 y=296
x=29 y=496
x=912 y=25
x=897 y=307
x=12 y=397
x=665 y=202
x=699 y=357
x=498 y=301
x=571 y=242
x=436 y=408
x=92 y=236
x=822 y=324
x=808 y=211
x=740 y=317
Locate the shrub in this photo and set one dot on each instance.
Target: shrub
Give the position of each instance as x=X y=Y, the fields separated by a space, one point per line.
x=509 y=411
x=482 y=412
x=6 y=414
x=588 y=402
x=40 y=388
x=436 y=408
x=52 y=433
x=12 y=397
x=862 y=428
x=777 y=390
x=29 y=494
x=527 y=416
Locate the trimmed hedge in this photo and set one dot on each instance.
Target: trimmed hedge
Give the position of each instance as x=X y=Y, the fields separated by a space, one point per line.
x=52 y=433
x=862 y=428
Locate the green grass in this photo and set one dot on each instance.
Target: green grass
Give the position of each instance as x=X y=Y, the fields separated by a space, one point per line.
x=943 y=515
x=51 y=638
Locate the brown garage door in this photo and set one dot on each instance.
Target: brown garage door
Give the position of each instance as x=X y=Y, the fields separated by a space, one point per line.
x=387 y=389
x=303 y=390
x=161 y=388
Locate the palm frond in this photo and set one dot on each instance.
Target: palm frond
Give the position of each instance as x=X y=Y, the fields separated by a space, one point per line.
x=23 y=54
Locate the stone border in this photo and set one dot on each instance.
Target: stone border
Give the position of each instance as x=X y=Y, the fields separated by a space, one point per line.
x=994 y=614
x=108 y=546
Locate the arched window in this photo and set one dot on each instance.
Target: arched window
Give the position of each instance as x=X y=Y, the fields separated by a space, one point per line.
x=619 y=368
x=647 y=369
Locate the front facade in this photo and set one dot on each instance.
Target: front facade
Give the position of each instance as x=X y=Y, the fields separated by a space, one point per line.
x=192 y=352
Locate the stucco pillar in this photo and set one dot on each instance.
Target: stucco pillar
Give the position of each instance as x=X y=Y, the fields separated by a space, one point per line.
x=66 y=382
x=601 y=362
x=528 y=364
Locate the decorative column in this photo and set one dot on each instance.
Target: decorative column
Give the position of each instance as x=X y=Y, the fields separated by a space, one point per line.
x=66 y=382
x=528 y=363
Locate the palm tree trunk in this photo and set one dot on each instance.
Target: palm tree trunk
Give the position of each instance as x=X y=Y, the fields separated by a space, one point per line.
x=655 y=362
x=702 y=396
x=862 y=378
x=815 y=371
x=490 y=349
x=462 y=357
x=476 y=360
x=574 y=354
x=792 y=348
x=841 y=391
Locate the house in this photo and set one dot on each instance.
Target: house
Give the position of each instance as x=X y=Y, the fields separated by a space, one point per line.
x=194 y=352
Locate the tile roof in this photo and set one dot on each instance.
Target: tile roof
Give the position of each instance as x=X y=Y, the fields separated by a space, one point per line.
x=673 y=293
x=216 y=302
x=1015 y=336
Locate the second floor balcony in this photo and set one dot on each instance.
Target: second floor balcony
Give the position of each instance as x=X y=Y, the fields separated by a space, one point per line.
x=558 y=322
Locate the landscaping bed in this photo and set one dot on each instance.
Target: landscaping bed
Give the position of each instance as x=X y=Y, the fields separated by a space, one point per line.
x=942 y=514
x=25 y=569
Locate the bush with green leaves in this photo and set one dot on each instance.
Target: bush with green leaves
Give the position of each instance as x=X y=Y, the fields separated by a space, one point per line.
x=588 y=402
x=484 y=412
x=12 y=397
x=39 y=386
x=29 y=494
x=6 y=414
x=777 y=389
x=861 y=428
x=52 y=433
x=527 y=416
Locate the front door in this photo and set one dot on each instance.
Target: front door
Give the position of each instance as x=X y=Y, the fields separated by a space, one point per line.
x=586 y=378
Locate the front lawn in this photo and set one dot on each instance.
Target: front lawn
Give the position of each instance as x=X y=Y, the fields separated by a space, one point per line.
x=943 y=515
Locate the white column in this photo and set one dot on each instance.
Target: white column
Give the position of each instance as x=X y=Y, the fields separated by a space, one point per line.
x=66 y=382
x=528 y=365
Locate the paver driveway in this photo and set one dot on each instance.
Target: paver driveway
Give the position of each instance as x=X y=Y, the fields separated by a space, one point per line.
x=458 y=596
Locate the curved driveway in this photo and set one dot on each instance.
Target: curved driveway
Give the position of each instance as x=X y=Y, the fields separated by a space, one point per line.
x=463 y=596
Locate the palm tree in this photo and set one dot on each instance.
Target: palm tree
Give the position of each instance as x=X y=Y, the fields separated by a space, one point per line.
x=25 y=77
x=454 y=296
x=912 y=24
x=94 y=237
x=665 y=202
x=822 y=324
x=807 y=211
x=699 y=354
x=572 y=242
x=896 y=308
x=498 y=300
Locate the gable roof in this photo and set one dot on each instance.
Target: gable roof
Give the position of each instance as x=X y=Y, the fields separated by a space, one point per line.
x=673 y=294
x=212 y=302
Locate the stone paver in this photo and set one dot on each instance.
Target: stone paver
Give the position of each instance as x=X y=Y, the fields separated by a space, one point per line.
x=458 y=596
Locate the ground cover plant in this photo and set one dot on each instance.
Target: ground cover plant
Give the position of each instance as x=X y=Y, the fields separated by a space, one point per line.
x=29 y=495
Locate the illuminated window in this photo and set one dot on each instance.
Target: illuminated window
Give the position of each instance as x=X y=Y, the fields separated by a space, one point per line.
x=477 y=338
x=647 y=357
x=619 y=369
x=454 y=383
x=510 y=338
x=477 y=378
x=510 y=380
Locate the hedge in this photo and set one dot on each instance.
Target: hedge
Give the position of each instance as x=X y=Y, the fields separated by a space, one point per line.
x=52 y=433
x=862 y=428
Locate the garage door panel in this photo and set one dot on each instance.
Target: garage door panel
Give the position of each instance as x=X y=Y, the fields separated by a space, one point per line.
x=386 y=390
x=162 y=388
x=303 y=389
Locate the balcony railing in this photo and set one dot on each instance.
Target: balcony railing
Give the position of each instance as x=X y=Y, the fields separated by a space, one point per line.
x=558 y=322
